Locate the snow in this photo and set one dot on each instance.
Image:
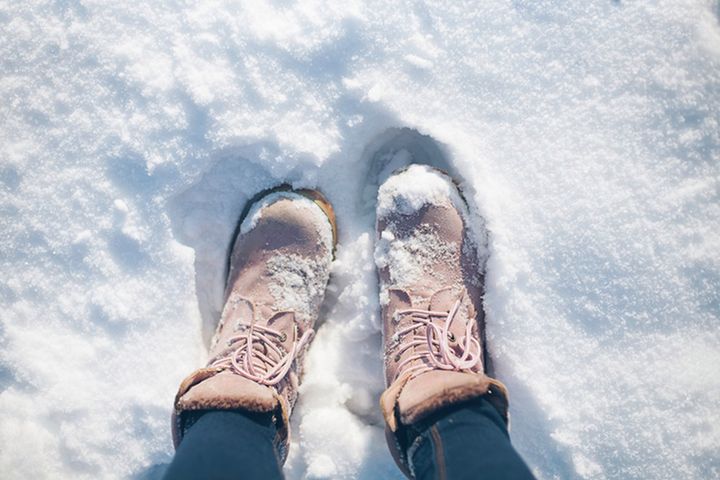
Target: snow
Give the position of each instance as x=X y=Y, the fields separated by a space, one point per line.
x=586 y=134
x=300 y=202
x=412 y=258
x=408 y=191
x=295 y=280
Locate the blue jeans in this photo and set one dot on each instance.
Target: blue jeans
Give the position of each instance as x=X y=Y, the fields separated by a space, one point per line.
x=469 y=441
x=226 y=444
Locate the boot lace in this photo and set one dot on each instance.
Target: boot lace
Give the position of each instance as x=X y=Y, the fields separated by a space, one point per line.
x=431 y=343
x=259 y=354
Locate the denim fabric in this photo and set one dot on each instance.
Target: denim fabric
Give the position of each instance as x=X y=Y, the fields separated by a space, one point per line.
x=224 y=444
x=469 y=441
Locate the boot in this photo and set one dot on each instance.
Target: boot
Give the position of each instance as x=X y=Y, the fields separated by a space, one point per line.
x=279 y=267
x=431 y=284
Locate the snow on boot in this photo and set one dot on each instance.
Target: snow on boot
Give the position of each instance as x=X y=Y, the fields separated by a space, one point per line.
x=279 y=268
x=431 y=283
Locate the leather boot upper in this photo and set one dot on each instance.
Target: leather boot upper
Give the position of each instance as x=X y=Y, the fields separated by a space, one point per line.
x=279 y=269
x=430 y=270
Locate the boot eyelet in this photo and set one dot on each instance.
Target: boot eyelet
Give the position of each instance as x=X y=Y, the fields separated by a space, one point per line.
x=283 y=337
x=397 y=357
x=451 y=336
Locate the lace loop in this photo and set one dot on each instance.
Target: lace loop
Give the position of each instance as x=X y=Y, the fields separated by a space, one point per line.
x=259 y=355
x=432 y=343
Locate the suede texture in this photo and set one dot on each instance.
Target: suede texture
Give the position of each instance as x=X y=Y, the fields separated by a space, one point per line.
x=288 y=227
x=438 y=238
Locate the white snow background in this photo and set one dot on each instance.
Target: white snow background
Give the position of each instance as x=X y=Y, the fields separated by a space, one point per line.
x=587 y=133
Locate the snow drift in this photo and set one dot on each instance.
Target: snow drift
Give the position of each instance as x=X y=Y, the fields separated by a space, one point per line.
x=586 y=134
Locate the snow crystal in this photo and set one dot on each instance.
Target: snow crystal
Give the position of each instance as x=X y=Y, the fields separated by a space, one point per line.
x=295 y=280
x=415 y=187
x=586 y=134
x=412 y=257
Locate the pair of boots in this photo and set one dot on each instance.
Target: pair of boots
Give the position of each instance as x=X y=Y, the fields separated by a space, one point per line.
x=431 y=281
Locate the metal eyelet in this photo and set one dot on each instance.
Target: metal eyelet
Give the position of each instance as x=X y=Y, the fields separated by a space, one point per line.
x=397 y=357
x=283 y=337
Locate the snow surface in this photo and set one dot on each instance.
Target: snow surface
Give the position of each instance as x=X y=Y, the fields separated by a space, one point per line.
x=407 y=191
x=587 y=135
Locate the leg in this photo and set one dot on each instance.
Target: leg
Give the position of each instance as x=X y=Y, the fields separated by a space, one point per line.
x=227 y=444
x=279 y=266
x=468 y=441
x=445 y=416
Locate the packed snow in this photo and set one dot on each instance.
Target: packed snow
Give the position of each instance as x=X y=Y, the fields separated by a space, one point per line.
x=409 y=190
x=585 y=134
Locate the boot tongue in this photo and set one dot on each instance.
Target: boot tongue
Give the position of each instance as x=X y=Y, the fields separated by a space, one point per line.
x=398 y=299
x=237 y=311
x=263 y=312
x=238 y=308
x=443 y=300
x=243 y=311
x=284 y=322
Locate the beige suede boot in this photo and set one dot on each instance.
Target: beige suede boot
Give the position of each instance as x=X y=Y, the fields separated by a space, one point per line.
x=279 y=267
x=431 y=285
